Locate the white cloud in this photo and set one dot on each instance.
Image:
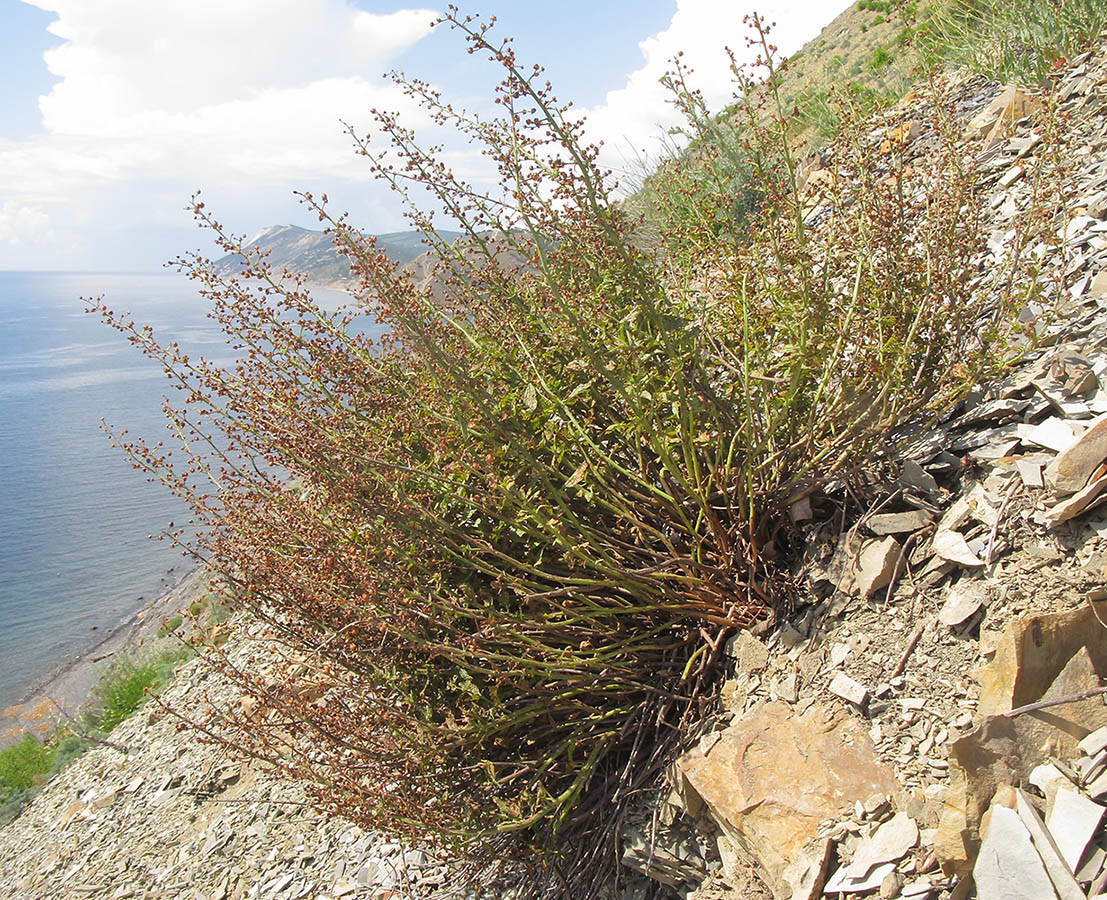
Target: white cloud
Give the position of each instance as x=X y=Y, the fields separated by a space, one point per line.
x=633 y=118
x=125 y=57
x=20 y=224
x=205 y=92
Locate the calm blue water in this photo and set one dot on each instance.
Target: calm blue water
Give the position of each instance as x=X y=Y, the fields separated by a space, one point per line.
x=75 y=558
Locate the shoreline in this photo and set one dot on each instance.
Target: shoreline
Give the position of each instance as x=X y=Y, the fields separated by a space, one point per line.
x=67 y=688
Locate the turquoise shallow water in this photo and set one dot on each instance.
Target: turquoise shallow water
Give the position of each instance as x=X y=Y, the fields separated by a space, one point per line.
x=75 y=558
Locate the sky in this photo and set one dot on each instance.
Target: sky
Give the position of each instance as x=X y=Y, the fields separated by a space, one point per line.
x=113 y=112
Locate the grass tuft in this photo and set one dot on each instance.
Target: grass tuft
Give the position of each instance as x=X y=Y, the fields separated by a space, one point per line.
x=23 y=763
x=1010 y=41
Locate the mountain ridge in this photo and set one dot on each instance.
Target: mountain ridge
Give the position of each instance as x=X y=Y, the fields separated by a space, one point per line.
x=311 y=253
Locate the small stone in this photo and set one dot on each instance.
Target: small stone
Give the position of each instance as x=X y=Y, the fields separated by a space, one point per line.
x=936 y=792
x=1099 y=284
x=891 y=886
x=918 y=890
x=898 y=523
x=1048 y=779
x=104 y=800
x=956 y=516
x=849 y=690
x=1094 y=742
x=1009 y=106
x=1011 y=176
x=75 y=811
x=1080 y=380
x=800 y=510
x=751 y=654
x=1030 y=473
x=951 y=546
x=415 y=858
x=876 y=566
x=912 y=475
x=1093 y=865
x=785 y=688
x=964 y=600
x=875 y=805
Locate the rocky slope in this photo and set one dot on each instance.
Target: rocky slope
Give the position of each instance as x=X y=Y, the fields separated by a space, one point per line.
x=873 y=744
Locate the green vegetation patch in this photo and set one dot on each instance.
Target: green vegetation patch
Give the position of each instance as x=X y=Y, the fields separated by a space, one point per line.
x=23 y=763
x=880 y=58
x=122 y=692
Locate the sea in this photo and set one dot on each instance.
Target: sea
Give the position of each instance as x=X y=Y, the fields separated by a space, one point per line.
x=78 y=556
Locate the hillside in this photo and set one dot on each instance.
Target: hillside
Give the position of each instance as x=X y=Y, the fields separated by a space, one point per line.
x=744 y=569
x=312 y=253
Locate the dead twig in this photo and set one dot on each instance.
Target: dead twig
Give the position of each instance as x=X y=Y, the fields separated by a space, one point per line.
x=911 y=644
x=75 y=728
x=1045 y=704
x=999 y=518
x=902 y=562
x=1090 y=599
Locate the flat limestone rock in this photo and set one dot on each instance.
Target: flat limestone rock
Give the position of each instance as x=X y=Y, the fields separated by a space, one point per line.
x=963 y=602
x=1072 y=820
x=899 y=522
x=842 y=883
x=751 y=777
x=888 y=844
x=876 y=566
x=1059 y=872
x=1073 y=506
x=952 y=546
x=1008 y=867
x=1053 y=434
x=1072 y=468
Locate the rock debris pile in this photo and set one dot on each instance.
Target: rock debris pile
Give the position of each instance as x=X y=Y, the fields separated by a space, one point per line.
x=176 y=818
x=931 y=723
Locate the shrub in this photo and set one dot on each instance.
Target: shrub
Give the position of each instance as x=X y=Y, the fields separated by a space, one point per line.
x=503 y=545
